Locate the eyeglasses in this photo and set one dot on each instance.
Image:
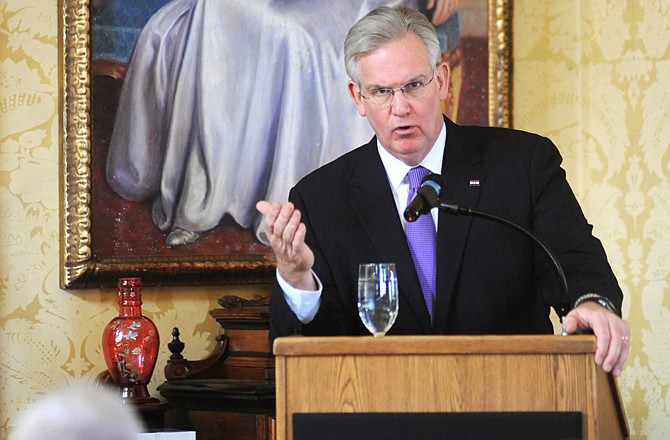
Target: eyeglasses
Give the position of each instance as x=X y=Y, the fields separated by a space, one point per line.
x=383 y=96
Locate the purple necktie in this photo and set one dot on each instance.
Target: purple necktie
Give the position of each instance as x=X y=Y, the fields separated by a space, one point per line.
x=421 y=240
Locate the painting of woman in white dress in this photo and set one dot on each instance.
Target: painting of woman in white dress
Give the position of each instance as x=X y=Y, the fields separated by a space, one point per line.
x=225 y=103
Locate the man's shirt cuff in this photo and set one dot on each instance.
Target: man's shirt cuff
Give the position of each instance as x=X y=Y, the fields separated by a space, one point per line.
x=304 y=303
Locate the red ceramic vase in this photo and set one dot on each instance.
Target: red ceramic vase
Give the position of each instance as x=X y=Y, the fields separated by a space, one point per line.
x=130 y=344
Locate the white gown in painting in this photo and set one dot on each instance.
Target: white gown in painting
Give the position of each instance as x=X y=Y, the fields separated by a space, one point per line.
x=229 y=102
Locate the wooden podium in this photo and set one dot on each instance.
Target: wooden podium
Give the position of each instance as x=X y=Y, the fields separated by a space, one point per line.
x=432 y=375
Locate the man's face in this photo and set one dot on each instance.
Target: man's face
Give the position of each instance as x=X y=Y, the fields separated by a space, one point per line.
x=408 y=127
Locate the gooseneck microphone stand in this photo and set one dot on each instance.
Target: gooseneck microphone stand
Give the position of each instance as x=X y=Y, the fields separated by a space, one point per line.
x=564 y=306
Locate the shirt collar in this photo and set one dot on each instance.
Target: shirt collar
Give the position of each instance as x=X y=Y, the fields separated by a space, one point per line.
x=396 y=170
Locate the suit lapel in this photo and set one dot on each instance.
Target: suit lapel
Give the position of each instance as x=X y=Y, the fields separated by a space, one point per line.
x=371 y=199
x=464 y=176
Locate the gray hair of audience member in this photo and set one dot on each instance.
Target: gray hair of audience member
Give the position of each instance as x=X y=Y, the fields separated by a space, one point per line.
x=385 y=25
x=78 y=412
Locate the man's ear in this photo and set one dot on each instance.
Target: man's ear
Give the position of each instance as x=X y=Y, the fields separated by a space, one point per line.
x=355 y=93
x=443 y=73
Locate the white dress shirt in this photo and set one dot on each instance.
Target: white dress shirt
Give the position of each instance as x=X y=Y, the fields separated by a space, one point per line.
x=305 y=303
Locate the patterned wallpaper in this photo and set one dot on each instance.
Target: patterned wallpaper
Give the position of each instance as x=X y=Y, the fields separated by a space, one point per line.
x=49 y=336
x=595 y=77
x=592 y=75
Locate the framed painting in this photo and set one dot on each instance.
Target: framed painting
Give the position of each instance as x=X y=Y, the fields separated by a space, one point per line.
x=177 y=116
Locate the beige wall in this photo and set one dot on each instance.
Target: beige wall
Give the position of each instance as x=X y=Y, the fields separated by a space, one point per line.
x=592 y=75
x=595 y=77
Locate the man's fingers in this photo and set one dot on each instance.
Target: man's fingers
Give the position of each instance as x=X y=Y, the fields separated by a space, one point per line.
x=574 y=321
x=276 y=217
x=270 y=212
x=622 y=334
x=299 y=237
x=612 y=335
x=264 y=207
x=569 y=324
x=285 y=231
x=617 y=353
x=290 y=221
x=625 y=350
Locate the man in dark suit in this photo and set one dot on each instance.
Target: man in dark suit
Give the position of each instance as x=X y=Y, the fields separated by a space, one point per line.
x=490 y=279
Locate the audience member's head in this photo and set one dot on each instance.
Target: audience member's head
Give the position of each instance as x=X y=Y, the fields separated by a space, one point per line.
x=78 y=412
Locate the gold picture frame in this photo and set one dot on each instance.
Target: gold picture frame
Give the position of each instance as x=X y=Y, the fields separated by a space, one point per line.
x=80 y=267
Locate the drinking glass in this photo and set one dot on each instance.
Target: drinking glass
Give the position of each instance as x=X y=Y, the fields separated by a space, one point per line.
x=377 y=296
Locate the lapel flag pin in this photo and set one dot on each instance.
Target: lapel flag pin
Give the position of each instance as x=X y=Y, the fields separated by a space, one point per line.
x=474 y=182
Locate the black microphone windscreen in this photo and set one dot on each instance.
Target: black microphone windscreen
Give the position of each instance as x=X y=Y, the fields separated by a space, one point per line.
x=427 y=197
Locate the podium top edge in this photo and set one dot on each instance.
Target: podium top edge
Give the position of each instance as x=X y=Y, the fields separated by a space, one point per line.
x=431 y=345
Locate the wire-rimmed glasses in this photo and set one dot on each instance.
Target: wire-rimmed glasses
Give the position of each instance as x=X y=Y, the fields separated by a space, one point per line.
x=382 y=96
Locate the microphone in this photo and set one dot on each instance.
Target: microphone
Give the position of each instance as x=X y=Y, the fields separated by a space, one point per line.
x=427 y=197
